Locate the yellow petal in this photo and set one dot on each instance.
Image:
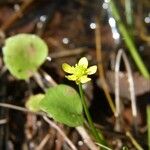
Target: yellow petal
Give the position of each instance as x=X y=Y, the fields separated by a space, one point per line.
x=91 y=70
x=83 y=62
x=67 y=68
x=71 y=77
x=84 y=79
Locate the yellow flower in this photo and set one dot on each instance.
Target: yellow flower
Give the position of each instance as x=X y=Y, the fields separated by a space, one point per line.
x=79 y=72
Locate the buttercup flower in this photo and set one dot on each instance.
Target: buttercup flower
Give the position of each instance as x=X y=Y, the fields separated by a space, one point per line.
x=79 y=73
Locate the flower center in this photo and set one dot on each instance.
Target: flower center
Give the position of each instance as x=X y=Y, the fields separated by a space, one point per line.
x=80 y=71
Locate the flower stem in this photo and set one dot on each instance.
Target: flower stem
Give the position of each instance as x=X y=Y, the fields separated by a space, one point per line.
x=98 y=138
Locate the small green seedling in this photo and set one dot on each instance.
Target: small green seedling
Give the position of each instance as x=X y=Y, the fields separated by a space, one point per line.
x=33 y=103
x=23 y=54
x=63 y=104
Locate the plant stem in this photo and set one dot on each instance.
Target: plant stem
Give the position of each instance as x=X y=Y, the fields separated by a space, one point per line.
x=91 y=124
x=129 y=42
x=134 y=142
x=148 y=125
x=100 y=66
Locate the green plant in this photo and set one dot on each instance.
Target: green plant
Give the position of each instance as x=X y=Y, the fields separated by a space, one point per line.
x=33 y=103
x=79 y=74
x=63 y=104
x=148 y=125
x=23 y=54
x=129 y=41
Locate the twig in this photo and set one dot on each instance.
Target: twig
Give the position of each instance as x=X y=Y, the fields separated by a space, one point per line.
x=67 y=53
x=43 y=142
x=132 y=94
x=86 y=138
x=60 y=140
x=134 y=142
x=6 y=105
x=103 y=146
x=49 y=79
x=37 y=77
x=44 y=117
x=100 y=66
x=52 y=124
x=16 y=15
x=144 y=37
x=131 y=86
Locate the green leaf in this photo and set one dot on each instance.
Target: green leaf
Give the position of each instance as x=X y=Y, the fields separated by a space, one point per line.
x=23 y=54
x=63 y=104
x=33 y=102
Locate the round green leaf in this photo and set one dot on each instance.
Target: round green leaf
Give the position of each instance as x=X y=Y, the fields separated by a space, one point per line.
x=63 y=104
x=33 y=102
x=23 y=54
